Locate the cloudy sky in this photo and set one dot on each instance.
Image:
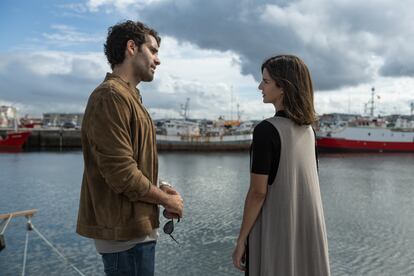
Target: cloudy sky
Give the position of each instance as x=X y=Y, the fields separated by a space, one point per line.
x=51 y=53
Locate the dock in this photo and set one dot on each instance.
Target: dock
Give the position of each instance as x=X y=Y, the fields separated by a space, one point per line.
x=67 y=139
x=50 y=138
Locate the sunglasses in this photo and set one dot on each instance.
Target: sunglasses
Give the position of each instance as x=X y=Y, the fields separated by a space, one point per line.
x=169 y=226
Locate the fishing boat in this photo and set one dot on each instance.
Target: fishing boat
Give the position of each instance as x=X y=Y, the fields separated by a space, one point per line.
x=367 y=134
x=11 y=138
x=203 y=135
x=184 y=135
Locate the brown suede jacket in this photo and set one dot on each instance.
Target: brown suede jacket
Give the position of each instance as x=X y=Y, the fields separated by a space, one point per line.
x=120 y=157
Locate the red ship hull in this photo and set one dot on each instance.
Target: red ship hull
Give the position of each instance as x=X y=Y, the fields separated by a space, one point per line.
x=14 y=141
x=327 y=144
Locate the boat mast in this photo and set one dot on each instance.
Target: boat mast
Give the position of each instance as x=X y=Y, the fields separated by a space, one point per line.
x=185 y=109
x=372 y=101
x=15 y=123
x=231 y=103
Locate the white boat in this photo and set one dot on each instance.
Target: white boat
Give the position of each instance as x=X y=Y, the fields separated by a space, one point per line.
x=203 y=135
x=367 y=135
x=186 y=135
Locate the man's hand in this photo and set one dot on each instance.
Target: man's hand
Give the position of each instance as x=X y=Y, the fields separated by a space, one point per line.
x=174 y=204
x=168 y=189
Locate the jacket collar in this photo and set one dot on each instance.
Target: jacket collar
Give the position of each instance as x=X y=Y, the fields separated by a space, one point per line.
x=112 y=76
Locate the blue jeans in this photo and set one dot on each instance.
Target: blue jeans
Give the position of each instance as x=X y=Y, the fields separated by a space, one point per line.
x=137 y=261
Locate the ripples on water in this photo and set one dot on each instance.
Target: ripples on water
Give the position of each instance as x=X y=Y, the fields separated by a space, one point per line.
x=368 y=201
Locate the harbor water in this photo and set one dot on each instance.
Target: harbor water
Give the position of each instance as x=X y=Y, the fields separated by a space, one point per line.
x=368 y=201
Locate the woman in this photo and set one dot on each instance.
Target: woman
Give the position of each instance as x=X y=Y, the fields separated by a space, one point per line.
x=283 y=229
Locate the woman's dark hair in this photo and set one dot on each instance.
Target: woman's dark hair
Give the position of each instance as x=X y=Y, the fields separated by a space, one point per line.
x=292 y=75
x=120 y=34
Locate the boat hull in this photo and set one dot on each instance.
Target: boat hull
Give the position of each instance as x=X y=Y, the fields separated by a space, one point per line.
x=200 y=143
x=14 y=141
x=328 y=144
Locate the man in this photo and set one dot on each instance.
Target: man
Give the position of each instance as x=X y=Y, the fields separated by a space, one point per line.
x=119 y=195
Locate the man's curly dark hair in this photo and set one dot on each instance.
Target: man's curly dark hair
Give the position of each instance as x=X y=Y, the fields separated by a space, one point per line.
x=120 y=34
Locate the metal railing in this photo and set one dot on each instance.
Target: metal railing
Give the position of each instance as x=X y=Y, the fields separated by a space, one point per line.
x=6 y=218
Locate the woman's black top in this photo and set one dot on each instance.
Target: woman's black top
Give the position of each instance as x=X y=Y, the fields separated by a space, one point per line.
x=265 y=149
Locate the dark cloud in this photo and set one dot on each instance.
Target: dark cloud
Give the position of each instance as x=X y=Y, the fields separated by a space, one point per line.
x=344 y=43
x=62 y=82
x=336 y=39
x=39 y=81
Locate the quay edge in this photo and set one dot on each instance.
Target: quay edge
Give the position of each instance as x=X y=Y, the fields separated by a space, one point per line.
x=60 y=138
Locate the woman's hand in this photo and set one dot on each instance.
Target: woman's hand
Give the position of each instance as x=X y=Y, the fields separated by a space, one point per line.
x=252 y=206
x=239 y=256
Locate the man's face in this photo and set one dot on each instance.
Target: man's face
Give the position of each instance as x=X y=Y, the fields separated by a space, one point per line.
x=146 y=60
